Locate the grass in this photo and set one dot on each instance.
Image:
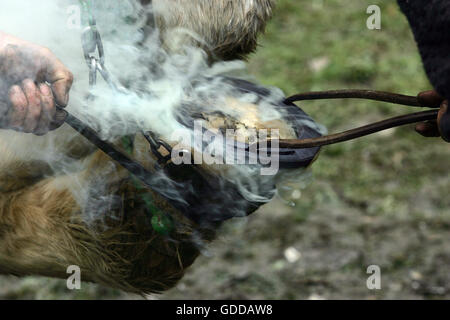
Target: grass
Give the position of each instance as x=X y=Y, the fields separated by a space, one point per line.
x=333 y=35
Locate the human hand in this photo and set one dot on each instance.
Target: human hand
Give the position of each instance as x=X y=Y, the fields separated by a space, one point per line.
x=440 y=127
x=32 y=82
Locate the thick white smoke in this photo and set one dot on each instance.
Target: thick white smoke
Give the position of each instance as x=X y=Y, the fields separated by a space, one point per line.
x=156 y=83
x=154 y=92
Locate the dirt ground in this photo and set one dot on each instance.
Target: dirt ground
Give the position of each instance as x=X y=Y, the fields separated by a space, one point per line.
x=382 y=200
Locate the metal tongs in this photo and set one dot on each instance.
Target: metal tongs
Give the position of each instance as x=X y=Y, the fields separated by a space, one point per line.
x=419 y=101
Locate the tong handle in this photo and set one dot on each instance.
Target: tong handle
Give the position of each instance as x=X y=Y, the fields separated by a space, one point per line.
x=427 y=99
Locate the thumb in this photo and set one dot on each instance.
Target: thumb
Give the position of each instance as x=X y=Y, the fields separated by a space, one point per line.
x=60 y=117
x=60 y=79
x=430 y=99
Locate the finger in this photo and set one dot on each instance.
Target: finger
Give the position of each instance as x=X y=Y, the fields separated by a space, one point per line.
x=48 y=110
x=9 y=57
x=34 y=105
x=60 y=78
x=18 y=111
x=444 y=121
x=430 y=99
x=428 y=129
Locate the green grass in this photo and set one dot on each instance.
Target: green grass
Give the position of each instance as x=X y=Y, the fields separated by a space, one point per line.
x=355 y=57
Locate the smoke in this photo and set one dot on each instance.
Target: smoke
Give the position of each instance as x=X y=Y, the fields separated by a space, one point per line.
x=159 y=89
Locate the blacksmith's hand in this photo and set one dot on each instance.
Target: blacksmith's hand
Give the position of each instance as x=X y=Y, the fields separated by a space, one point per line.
x=32 y=82
x=440 y=127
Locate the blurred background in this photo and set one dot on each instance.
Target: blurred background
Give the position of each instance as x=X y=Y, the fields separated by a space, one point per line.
x=381 y=200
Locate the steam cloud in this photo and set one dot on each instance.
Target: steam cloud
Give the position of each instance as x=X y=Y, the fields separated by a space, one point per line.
x=156 y=83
